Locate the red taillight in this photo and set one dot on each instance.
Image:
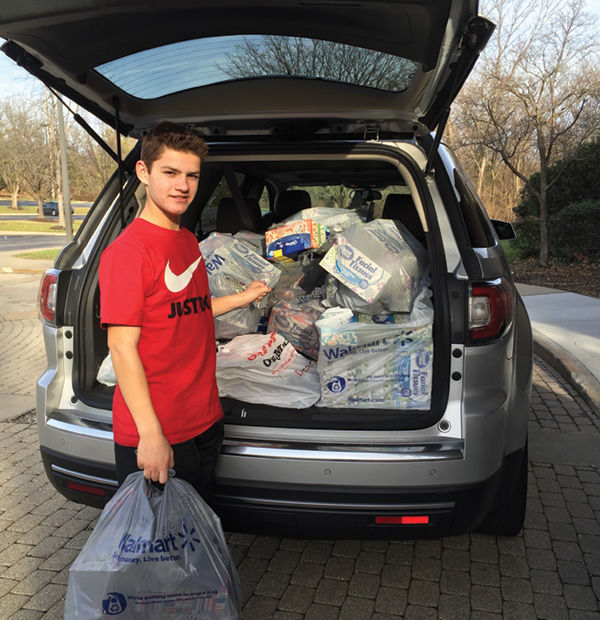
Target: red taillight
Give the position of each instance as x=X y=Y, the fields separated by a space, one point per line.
x=403 y=520
x=47 y=296
x=490 y=309
x=85 y=488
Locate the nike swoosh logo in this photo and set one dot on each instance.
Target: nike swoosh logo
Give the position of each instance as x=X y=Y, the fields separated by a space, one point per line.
x=176 y=283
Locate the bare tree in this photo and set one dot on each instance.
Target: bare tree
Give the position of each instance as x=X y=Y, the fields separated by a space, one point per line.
x=535 y=90
x=89 y=164
x=295 y=56
x=27 y=148
x=12 y=115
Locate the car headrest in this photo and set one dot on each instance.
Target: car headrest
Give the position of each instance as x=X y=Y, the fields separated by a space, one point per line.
x=401 y=207
x=230 y=219
x=289 y=202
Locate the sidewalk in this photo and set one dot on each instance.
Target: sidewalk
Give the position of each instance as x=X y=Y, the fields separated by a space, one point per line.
x=566 y=333
x=9 y=263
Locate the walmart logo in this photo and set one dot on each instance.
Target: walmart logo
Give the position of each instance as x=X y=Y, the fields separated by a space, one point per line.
x=167 y=544
x=188 y=537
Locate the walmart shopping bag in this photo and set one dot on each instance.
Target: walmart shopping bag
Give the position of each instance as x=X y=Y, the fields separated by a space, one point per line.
x=154 y=554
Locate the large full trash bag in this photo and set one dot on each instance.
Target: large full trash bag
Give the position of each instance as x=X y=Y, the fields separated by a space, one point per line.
x=378 y=267
x=266 y=369
x=156 y=555
x=376 y=365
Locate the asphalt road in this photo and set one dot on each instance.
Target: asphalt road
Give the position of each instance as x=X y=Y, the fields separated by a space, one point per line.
x=33 y=203
x=32 y=216
x=21 y=203
x=10 y=243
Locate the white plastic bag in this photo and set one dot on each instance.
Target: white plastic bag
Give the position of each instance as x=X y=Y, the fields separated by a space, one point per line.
x=256 y=240
x=266 y=369
x=106 y=373
x=335 y=220
x=376 y=366
x=231 y=266
x=154 y=554
x=225 y=255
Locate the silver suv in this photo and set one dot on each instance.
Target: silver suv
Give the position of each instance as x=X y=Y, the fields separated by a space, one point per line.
x=304 y=106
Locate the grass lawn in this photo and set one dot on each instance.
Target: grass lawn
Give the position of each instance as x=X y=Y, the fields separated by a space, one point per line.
x=35 y=226
x=49 y=254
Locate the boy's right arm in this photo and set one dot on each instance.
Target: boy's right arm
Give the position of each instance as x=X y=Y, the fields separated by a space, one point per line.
x=154 y=454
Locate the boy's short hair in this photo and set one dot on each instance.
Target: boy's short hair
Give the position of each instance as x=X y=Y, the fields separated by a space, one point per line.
x=173 y=136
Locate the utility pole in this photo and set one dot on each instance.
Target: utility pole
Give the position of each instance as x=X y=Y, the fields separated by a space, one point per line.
x=66 y=187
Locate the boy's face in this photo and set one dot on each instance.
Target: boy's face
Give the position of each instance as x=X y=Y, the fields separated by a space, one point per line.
x=171 y=182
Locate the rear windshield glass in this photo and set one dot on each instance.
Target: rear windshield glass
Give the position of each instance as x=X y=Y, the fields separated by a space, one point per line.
x=188 y=64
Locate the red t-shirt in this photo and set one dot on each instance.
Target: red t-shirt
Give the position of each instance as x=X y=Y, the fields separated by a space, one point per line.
x=155 y=278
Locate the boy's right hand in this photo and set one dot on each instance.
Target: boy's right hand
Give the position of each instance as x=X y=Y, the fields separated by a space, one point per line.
x=155 y=457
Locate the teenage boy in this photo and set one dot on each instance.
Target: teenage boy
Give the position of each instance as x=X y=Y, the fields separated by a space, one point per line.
x=166 y=408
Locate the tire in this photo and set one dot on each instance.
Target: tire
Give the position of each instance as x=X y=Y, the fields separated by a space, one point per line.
x=507 y=519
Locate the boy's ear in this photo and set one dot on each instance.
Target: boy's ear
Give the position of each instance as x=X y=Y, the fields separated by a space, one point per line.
x=142 y=172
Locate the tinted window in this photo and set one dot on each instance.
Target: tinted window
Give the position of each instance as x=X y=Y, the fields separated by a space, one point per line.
x=199 y=62
x=478 y=228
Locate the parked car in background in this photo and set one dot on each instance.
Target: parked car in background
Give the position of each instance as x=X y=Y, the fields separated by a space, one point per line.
x=51 y=208
x=367 y=146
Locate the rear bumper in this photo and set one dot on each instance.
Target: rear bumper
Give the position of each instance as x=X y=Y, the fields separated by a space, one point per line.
x=81 y=481
x=357 y=514
x=352 y=513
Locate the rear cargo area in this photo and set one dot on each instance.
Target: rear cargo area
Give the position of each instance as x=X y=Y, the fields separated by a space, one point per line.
x=345 y=338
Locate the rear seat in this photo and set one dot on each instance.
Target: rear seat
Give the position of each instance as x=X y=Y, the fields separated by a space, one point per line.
x=231 y=220
x=401 y=207
x=289 y=202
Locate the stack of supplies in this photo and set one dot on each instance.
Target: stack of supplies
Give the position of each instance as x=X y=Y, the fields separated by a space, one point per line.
x=379 y=267
x=294 y=237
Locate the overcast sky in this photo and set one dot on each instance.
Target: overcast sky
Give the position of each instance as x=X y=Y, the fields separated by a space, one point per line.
x=16 y=81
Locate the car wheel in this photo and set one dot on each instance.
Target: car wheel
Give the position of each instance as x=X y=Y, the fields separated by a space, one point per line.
x=507 y=519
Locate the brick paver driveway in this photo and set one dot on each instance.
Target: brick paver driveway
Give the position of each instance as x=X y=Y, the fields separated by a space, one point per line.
x=551 y=570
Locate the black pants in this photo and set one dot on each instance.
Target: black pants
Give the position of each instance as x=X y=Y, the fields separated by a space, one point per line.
x=195 y=460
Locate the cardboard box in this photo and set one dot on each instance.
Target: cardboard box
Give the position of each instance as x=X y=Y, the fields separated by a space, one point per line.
x=294 y=237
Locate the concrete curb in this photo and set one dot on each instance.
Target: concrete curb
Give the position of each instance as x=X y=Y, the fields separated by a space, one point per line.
x=571 y=369
x=22 y=270
x=29 y=233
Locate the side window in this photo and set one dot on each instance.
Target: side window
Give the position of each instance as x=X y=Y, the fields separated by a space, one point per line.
x=336 y=196
x=209 y=213
x=390 y=189
x=264 y=201
x=476 y=223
